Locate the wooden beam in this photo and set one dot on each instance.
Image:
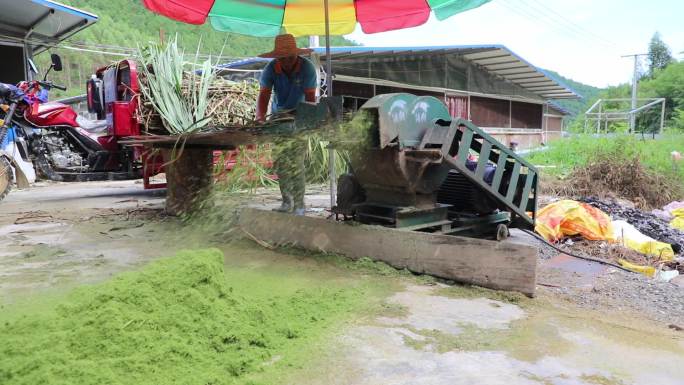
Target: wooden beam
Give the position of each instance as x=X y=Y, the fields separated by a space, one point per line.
x=497 y=265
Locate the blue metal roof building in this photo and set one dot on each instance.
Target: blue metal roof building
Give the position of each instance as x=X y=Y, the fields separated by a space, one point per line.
x=488 y=84
x=495 y=59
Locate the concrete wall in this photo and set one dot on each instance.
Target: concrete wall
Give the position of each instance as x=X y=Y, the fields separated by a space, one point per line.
x=525 y=138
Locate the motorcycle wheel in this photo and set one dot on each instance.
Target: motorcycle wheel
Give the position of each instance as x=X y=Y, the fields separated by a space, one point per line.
x=5 y=177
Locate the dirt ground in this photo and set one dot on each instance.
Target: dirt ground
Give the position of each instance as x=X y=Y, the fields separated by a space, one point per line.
x=586 y=325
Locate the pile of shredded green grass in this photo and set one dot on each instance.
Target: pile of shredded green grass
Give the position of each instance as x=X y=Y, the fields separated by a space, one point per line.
x=179 y=320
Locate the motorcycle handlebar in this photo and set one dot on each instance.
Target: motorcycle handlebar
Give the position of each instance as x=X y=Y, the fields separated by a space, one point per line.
x=49 y=85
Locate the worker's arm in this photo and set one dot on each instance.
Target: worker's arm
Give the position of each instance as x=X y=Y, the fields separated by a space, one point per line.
x=310 y=81
x=310 y=95
x=266 y=83
x=262 y=104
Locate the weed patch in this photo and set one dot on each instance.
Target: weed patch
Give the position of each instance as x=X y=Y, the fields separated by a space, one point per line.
x=618 y=166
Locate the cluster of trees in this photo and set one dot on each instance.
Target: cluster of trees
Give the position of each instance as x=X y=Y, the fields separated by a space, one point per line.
x=126 y=23
x=662 y=77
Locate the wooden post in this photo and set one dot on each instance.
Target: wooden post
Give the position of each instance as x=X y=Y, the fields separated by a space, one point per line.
x=189 y=178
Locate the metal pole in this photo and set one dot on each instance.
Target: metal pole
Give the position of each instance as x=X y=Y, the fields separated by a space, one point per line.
x=314 y=43
x=662 y=117
x=635 y=79
x=598 y=120
x=328 y=61
x=28 y=54
x=329 y=89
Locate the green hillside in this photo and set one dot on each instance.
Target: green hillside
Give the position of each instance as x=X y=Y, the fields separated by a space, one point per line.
x=589 y=94
x=126 y=23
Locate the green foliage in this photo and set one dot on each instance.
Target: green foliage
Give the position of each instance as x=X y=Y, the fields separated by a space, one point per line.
x=659 y=55
x=180 y=320
x=677 y=122
x=250 y=171
x=317 y=160
x=576 y=107
x=666 y=83
x=177 y=91
x=565 y=154
x=619 y=127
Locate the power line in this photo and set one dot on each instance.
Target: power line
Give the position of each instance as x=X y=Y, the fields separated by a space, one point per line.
x=571 y=24
x=537 y=19
x=562 y=26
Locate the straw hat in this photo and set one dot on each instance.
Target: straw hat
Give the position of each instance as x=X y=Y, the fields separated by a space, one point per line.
x=285 y=45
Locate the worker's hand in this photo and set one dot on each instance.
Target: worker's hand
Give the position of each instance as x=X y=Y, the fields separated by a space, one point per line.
x=262 y=104
x=310 y=95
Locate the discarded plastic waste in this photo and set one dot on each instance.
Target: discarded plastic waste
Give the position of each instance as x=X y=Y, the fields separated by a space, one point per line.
x=629 y=236
x=677 y=214
x=666 y=275
x=568 y=217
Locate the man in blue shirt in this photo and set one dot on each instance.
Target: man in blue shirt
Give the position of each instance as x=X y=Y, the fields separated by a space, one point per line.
x=293 y=79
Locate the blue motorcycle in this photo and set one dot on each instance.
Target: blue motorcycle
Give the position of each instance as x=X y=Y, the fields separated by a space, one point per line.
x=16 y=165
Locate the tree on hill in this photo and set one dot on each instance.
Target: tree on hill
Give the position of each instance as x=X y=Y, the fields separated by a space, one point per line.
x=576 y=107
x=659 y=55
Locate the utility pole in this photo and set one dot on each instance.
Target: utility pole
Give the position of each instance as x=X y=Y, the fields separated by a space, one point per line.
x=635 y=80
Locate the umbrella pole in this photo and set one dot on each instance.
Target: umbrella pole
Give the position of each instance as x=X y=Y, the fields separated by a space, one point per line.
x=329 y=91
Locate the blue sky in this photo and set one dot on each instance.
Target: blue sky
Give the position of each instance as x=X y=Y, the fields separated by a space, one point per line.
x=580 y=39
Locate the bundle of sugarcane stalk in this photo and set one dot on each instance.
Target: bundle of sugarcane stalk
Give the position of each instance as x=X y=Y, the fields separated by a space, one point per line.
x=229 y=104
x=232 y=103
x=180 y=98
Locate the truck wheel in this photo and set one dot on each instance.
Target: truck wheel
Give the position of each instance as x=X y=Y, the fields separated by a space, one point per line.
x=5 y=177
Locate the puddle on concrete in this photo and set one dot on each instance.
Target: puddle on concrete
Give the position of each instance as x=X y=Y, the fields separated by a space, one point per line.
x=442 y=340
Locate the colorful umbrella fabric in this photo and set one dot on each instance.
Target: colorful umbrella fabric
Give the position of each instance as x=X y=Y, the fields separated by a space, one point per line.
x=306 y=17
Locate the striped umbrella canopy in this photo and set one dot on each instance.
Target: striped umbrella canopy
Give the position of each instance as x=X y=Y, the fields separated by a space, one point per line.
x=269 y=18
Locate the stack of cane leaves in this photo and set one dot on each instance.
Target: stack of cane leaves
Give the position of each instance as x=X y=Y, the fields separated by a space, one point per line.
x=179 y=93
x=180 y=97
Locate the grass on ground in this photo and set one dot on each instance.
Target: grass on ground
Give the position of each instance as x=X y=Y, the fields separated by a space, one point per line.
x=179 y=320
x=618 y=166
x=564 y=155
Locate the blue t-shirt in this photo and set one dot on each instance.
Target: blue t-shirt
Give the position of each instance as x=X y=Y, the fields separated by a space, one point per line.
x=288 y=89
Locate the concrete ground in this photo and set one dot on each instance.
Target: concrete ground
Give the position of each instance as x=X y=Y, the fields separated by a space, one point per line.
x=57 y=236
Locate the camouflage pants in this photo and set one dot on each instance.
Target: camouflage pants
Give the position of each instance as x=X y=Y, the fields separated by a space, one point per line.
x=289 y=165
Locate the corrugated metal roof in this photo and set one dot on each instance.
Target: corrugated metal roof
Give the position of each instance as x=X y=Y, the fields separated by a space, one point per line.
x=495 y=59
x=560 y=108
x=40 y=22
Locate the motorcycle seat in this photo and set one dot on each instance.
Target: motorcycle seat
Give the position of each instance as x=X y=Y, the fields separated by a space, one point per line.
x=92 y=126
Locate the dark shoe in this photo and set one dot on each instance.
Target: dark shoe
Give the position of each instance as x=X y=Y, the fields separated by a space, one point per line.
x=286 y=206
x=299 y=212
